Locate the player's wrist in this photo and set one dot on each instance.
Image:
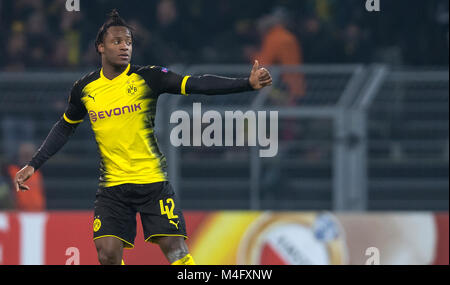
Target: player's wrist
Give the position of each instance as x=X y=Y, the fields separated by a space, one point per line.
x=251 y=85
x=31 y=166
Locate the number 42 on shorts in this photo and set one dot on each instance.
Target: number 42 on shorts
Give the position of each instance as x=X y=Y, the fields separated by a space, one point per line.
x=165 y=208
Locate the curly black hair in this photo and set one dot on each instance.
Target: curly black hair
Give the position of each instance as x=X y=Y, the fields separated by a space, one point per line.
x=114 y=20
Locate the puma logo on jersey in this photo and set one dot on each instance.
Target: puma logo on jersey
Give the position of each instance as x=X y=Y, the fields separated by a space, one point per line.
x=93 y=97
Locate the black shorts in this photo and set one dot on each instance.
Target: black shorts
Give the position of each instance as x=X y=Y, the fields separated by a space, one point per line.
x=116 y=208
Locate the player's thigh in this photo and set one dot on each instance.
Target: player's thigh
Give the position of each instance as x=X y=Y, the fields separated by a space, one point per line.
x=109 y=245
x=161 y=215
x=114 y=217
x=109 y=250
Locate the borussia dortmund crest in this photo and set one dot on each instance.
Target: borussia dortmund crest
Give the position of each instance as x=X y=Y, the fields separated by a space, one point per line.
x=97 y=224
x=131 y=88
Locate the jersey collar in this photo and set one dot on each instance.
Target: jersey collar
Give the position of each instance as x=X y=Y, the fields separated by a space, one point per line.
x=123 y=74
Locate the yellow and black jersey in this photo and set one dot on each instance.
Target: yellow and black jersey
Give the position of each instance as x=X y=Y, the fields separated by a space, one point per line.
x=122 y=115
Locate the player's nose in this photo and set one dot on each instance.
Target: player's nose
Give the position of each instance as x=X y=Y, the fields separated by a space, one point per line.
x=124 y=47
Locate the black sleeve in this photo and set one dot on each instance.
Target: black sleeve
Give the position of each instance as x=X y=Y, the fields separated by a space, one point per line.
x=62 y=130
x=75 y=111
x=216 y=85
x=163 y=80
x=56 y=139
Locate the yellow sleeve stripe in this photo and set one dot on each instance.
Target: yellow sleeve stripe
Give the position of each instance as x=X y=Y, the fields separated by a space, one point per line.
x=183 y=85
x=70 y=121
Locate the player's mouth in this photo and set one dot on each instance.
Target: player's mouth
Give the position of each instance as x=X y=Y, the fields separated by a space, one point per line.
x=124 y=56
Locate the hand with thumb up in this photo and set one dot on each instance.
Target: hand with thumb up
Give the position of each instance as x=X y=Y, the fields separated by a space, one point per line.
x=259 y=77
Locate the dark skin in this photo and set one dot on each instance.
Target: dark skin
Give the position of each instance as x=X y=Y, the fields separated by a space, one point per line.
x=116 y=51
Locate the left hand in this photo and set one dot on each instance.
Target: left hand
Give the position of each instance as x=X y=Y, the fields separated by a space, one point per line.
x=259 y=77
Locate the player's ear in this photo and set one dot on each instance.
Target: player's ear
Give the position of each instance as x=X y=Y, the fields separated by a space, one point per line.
x=101 y=48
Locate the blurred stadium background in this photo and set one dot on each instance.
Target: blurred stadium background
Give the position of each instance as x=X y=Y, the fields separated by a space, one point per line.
x=363 y=128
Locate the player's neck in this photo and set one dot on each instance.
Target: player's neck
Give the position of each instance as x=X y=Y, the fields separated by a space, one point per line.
x=111 y=71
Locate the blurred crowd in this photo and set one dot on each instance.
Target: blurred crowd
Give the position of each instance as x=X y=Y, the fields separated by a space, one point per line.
x=43 y=35
x=22 y=200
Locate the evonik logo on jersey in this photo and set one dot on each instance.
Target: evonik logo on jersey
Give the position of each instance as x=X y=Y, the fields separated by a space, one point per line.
x=94 y=116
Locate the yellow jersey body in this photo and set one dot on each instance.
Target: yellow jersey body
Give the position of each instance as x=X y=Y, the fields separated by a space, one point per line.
x=122 y=115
